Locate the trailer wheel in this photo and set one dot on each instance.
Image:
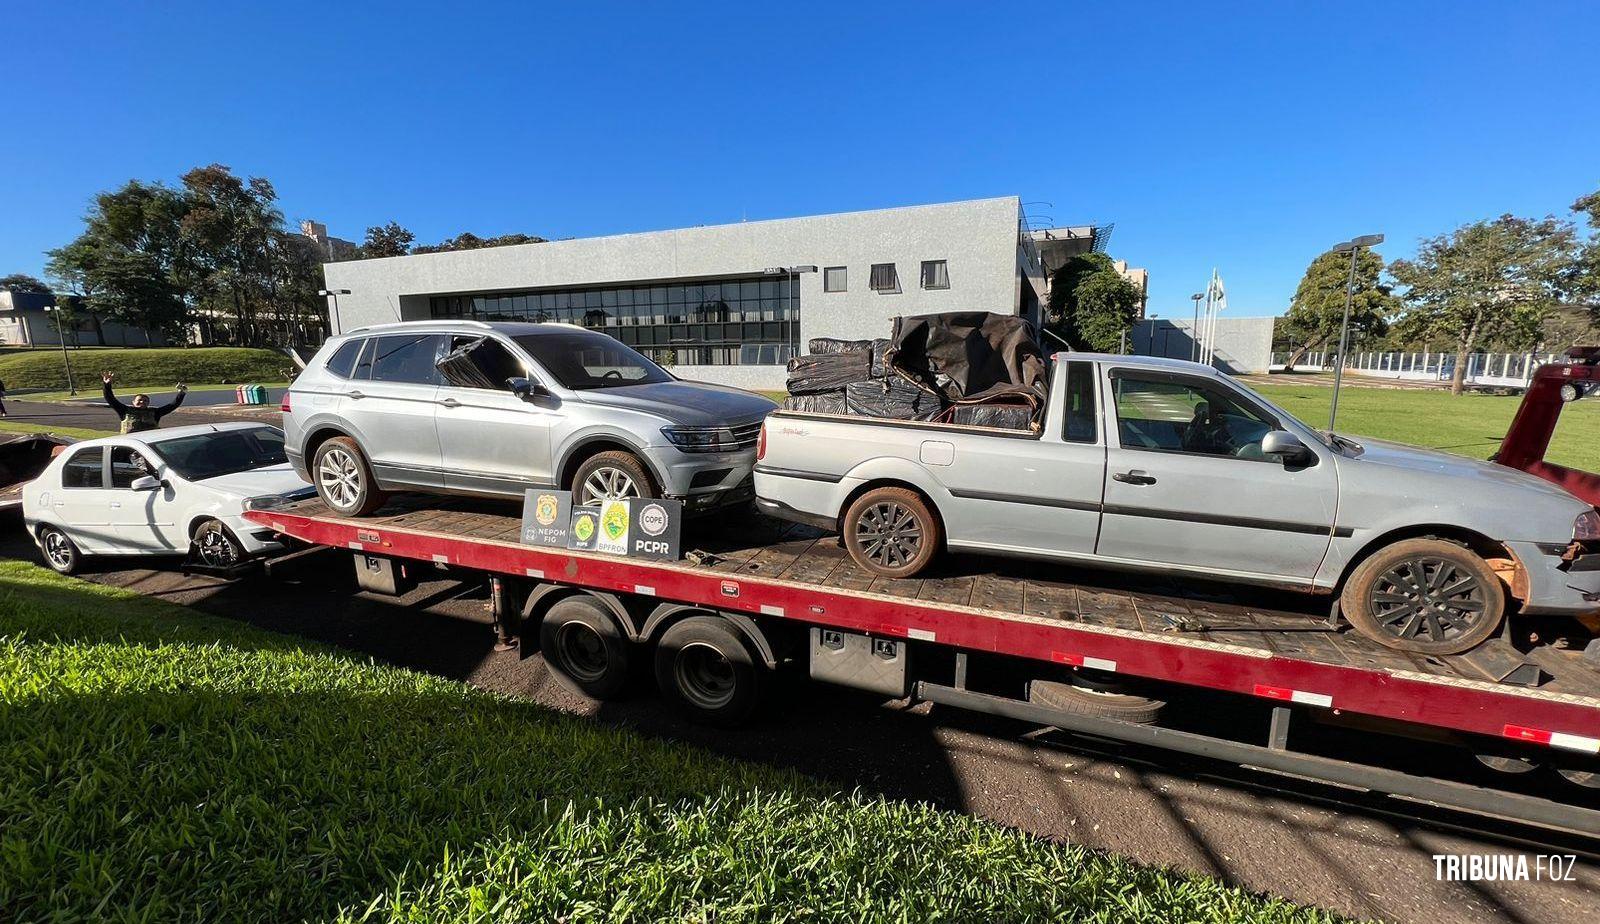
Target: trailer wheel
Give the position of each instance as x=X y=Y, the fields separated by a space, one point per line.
x=584 y=648
x=1095 y=697
x=891 y=531
x=704 y=665
x=1426 y=596
x=1588 y=779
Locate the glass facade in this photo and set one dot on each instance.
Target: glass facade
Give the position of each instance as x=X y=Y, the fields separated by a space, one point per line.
x=722 y=322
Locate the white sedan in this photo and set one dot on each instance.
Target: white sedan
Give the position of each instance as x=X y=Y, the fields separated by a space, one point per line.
x=162 y=492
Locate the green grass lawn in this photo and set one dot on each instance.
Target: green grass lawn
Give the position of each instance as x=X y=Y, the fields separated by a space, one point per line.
x=157 y=764
x=1469 y=425
x=144 y=368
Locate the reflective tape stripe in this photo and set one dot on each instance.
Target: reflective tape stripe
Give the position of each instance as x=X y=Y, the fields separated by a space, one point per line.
x=534 y=573
x=644 y=589
x=1563 y=740
x=442 y=559
x=1295 y=696
x=770 y=610
x=1078 y=660
x=920 y=634
x=356 y=545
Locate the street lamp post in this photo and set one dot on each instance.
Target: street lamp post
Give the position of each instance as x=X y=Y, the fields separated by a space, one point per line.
x=66 y=358
x=1353 y=247
x=334 y=294
x=1194 y=329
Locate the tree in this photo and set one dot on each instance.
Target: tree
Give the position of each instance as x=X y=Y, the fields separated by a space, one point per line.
x=23 y=283
x=390 y=240
x=1091 y=305
x=1585 y=281
x=1491 y=279
x=1316 y=313
x=469 y=241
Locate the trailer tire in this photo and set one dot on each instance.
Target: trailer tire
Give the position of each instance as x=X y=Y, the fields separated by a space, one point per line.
x=585 y=649
x=704 y=664
x=1383 y=601
x=1083 y=699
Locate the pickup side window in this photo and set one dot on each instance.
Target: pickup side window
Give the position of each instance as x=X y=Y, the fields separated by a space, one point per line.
x=1173 y=415
x=1079 y=417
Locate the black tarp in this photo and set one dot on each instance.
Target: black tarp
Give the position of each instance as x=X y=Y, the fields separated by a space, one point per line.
x=1006 y=416
x=828 y=402
x=893 y=397
x=879 y=347
x=820 y=372
x=971 y=355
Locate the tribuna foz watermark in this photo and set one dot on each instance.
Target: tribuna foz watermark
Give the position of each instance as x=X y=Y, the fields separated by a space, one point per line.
x=1505 y=867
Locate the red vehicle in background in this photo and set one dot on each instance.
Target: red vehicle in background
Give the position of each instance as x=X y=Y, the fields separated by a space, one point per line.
x=1553 y=386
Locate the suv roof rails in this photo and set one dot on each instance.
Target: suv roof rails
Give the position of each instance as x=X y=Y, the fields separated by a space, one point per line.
x=394 y=324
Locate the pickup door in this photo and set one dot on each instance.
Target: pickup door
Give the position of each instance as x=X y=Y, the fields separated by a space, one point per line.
x=1187 y=484
x=1024 y=494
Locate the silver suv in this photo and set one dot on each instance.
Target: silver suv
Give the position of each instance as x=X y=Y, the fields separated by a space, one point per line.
x=492 y=409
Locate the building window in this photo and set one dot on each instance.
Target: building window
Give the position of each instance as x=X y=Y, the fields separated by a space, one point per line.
x=935 y=274
x=834 y=279
x=884 y=278
x=717 y=322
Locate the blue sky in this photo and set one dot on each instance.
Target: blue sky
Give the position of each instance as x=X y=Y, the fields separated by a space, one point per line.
x=1243 y=136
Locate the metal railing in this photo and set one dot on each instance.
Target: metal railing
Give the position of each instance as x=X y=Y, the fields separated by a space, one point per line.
x=1486 y=369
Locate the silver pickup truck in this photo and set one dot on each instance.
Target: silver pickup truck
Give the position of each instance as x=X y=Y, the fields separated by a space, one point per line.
x=1170 y=466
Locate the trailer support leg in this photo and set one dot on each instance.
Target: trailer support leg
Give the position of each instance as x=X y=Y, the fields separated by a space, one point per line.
x=505 y=616
x=1278 y=733
x=961 y=670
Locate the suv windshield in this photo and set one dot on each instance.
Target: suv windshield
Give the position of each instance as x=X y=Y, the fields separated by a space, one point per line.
x=581 y=360
x=208 y=455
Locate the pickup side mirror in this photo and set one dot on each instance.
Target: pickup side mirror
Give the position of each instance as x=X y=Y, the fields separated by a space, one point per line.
x=1286 y=446
x=527 y=390
x=146 y=483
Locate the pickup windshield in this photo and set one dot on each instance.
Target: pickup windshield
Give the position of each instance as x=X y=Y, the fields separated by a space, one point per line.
x=225 y=452
x=582 y=360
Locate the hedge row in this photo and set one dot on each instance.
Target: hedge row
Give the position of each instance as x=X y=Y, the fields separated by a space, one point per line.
x=148 y=368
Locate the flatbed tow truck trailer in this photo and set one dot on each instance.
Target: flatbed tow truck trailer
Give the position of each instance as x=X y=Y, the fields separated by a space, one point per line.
x=982 y=638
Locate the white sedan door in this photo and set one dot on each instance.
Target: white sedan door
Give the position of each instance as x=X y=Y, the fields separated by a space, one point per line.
x=83 y=505
x=144 y=521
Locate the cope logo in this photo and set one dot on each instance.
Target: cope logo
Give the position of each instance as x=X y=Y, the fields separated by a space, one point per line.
x=653 y=519
x=545 y=508
x=583 y=527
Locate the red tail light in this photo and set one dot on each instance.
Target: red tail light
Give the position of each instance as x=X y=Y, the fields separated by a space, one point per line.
x=761 y=443
x=284 y=407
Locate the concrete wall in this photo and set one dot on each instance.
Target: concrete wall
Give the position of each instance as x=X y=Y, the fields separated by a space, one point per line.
x=1243 y=345
x=978 y=239
x=38 y=328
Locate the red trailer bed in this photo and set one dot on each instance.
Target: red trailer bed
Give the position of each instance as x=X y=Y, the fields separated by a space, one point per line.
x=1253 y=643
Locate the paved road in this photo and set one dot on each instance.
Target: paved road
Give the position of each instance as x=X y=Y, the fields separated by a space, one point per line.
x=1152 y=807
x=95 y=415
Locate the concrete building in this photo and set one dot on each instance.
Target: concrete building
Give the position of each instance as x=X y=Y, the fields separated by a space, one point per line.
x=1243 y=345
x=29 y=319
x=1140 y=278
x=330 y=249
x=724 y=303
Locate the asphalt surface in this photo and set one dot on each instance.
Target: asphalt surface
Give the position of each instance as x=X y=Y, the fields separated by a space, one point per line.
x=93 y=414
x=1300 y=840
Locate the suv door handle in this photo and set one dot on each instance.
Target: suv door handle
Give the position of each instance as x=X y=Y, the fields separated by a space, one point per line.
x=450 y=402
x=357 y=395
x=1133 y=477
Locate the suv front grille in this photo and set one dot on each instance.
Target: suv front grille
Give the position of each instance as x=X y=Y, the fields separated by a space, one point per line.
x=745 y=435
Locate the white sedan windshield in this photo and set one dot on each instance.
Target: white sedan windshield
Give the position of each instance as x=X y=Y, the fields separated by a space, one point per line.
x=208 y=455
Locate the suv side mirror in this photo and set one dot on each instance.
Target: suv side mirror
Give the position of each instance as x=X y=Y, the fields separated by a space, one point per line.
x=146 y=483
x=1286 y=446
x=527 y=390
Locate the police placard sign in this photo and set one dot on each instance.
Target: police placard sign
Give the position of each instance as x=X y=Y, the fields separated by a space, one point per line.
x=640 y=527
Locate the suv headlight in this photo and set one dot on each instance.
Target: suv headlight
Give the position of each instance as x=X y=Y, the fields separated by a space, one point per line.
x=1586 y=528
x=701 y=439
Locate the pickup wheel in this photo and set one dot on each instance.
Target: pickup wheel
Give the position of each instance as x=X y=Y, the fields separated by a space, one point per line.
x=344 y=478
x=585 y=650
x=891 y=532
x=1427 y=596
